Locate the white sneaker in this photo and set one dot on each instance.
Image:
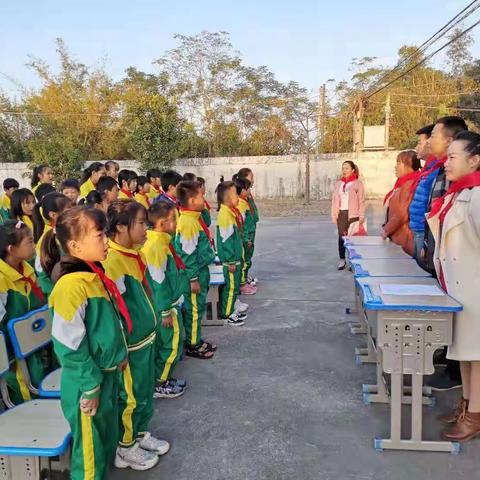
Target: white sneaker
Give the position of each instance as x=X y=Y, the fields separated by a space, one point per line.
x=135 y=458
x=252 y=281
x=240 y=306
x=154 y=445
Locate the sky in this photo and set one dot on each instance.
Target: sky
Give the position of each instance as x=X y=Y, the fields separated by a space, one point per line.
x=303 y=40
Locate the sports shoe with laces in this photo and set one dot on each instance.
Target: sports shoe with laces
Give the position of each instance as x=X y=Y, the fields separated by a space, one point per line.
x=167 y=390
x=234 y=320
x=154 y=445
x=248 y=289
x=135 y=458
x=240 y=306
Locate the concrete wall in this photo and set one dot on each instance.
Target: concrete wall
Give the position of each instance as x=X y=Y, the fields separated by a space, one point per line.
x=275 y=176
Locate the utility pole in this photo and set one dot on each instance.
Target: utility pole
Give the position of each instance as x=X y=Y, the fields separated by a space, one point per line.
x=307 y=165
x=321 y=119
x=358 y=125
x=388 y=111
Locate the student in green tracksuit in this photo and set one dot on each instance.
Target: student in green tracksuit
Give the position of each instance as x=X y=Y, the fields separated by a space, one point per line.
x=194 y=245
x=126 y=266
x=88 y=339
x=9 y=186
x=19 y=294
x=166 y=270
x=230 y=251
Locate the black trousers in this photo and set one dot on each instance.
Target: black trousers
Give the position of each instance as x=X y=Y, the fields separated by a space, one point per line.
x=343 y=222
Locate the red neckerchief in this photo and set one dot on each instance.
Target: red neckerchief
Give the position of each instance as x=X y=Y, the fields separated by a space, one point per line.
x=33 y=285
x=202 y=224
x=128 y=193
x=178 y=261
x=431 y=165
x=349 y=179
x=401 y=181
x=207 y=205
x=171 y=198
x=113 y=290
x=238 y=217
x=141 y=266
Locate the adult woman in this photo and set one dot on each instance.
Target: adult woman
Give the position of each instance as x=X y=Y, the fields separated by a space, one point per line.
x=348 y=204
x=455 y=223
x=398 y=201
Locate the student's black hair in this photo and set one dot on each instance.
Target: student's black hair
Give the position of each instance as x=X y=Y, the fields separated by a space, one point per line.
x=189 y=177
x=472 y=141
x=241 y=183
x=185 y=191
x=11 y=233
x=70 y=183
x=141 y=181
x=19 y=196
x=158 y=210
x=106 y=183
x=38 y=170
x=112 y=165
x=452 y=125
x=170 y=177
x=122 y=212
x=427 y=130
x=245 y=171
x=52 y=202
x=10 y=183
x=201 y=181
x=222 y=188
x=87 y=173
x=93 y=198
x=71 y=225
x=353 y=165
x=42 y=190
x=153 y=173
x=127 y=176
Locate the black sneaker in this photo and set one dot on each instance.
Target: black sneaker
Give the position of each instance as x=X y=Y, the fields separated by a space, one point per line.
x=441 y=382
x=177 y=382
x=167 y=390
x=240 y=315
x=234 y=320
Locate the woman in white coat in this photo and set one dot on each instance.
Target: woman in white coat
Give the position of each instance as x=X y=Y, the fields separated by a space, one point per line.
x=455 y=224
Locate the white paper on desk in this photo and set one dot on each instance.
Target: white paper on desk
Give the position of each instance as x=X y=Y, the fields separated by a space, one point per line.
x=402 y=289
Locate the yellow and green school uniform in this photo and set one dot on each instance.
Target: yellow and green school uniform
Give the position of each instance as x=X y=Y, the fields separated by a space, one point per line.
x=154 y=192
x=125 y=194
x=18 y=297
x=44 y=280
x=166 y=273
x=230 y=252
x=127 y=268
x=207 y=218
x=143 y=199
x=5 y=204
x=89 y=342
x=86 y=188
x=248 y=235
x=193 y=245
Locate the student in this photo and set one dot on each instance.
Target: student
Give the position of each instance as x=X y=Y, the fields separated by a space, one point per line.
x=454 y=221
x=166 y=270
x=42 y=190
x=40 y=175
x=91 y=176
x=190 y=177
x=94 y=200
x=108 y=189
x=193 y=244
x=143 y=191
x=397 y=201
x=207 y=217
x=153 y=176
x=230 y=251
x=71 y=189
x=19 y=294
x=247 y=231
x=22 y=205
x=125 y=265
x=127 y=182
x=88 y=338
x=248 y=174
x=45 y=215
x=170 y=179
x=9 y=186
x=348 y=205
x=111 y=169
x=421 y=190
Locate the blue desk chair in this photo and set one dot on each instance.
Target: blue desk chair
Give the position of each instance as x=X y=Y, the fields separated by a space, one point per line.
x=34 y=436
x=28 y=334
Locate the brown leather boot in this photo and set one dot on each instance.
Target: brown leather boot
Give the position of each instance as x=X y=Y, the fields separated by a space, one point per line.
x=466 y=428
x=453 y=416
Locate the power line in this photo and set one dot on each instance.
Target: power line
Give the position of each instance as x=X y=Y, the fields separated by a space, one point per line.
x=432 y=107
x=424 y=60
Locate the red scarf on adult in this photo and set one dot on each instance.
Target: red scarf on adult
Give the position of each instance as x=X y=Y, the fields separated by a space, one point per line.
x=113 y=290
x=401 y=181
x=33 y=285
x=431 y=165
x=141 y=266
x=347 y=180
x=202 y=224
x=128 y=193
x=178 y=261
x=468 y=181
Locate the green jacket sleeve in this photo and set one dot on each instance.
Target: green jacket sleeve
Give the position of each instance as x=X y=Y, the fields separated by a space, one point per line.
x=226 y=244
x=188 y=252
x=161 y=289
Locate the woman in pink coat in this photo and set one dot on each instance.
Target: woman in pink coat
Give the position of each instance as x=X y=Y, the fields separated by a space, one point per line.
x=348 y=204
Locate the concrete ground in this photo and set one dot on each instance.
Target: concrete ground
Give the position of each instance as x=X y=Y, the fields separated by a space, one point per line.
x=282 y=399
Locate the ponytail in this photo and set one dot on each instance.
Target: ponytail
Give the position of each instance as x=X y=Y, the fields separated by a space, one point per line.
x=38 y=222
x=49 y=252
x=39 y=169
x=52 y=202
